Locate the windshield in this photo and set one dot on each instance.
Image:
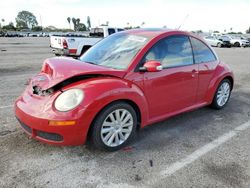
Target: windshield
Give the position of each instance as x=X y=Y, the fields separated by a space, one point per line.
x=235 y=37
x=115 y=51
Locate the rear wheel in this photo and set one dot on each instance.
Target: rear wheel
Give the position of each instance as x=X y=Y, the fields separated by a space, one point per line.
x=114 y=127
x=236 y=44
x=222 y=94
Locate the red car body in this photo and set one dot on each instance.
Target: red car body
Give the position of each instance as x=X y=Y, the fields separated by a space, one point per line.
x=154 y=95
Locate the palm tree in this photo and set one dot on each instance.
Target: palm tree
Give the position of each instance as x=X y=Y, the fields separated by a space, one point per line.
x=142 y=24
x=69 y=20
x=77 y=23
x=74 y=23
x=88 y=22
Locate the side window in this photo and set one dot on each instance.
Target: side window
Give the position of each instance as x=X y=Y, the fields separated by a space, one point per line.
x=111 y=31
x=202 y=53
x=96 y=32
x=172 y=51
x=100 y=32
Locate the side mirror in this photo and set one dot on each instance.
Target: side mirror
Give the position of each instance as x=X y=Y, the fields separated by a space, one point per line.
x=151 y=66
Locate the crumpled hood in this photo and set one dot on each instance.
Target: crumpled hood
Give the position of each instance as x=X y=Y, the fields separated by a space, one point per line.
x=57 y=70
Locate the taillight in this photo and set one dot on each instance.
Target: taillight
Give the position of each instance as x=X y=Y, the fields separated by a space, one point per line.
x=65 y=44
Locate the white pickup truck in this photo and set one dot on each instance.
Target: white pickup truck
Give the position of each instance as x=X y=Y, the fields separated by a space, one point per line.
x=71 y=45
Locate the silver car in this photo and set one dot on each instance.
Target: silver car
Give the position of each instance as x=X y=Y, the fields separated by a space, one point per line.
x=212 y=41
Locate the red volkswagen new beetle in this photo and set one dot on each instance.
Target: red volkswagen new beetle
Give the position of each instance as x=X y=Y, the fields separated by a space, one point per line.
x=126 y=81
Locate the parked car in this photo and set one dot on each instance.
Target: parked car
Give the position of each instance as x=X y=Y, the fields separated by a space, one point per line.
x=212 y=41
x=72 y=45
x=125 y=82
x=226 y=41
x=245 y=38
x=33 y=34
x=2 y=34
x=235 y=41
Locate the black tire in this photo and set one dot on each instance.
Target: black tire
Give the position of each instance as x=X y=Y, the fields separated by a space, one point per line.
x=215 y=104
x=95 y=134
x=236 y=44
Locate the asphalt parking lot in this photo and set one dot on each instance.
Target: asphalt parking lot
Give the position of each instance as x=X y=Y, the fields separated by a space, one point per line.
x=202 y=148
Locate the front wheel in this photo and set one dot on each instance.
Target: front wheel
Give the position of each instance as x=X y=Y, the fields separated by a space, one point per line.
x=114 y=127
x=222 y=94
x=219 y=45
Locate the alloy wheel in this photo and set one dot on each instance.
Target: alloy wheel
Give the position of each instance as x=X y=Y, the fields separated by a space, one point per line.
x=117 y=127
x=223 y=94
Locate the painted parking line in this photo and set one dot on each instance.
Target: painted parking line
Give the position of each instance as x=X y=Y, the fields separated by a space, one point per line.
x=171 y=169
x=8 y=106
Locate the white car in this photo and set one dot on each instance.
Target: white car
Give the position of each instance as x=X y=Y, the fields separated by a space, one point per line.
x=236 y=41
x=212 y=41
x=75 y=45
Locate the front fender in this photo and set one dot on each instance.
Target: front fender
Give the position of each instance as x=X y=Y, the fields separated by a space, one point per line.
x=222 y=71
x=101 y=91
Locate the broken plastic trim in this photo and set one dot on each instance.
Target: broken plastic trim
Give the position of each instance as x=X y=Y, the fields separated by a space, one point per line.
x=38 y=90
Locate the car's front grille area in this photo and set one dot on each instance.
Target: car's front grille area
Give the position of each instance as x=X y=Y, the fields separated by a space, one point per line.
x=25 y=127
x=49 y=136
x=42 y=134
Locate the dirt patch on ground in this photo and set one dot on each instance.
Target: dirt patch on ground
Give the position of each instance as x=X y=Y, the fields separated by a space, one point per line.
x=231 y=174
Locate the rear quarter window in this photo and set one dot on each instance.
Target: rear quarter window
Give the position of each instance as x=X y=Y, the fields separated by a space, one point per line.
x=202 y=53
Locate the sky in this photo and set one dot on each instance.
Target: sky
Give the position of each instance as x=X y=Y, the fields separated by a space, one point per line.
x=209 y=15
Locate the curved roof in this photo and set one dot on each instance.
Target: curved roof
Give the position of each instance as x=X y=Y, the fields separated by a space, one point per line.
x=152 y=32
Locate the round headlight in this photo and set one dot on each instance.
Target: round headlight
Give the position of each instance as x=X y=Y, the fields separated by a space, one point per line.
x=69 y=99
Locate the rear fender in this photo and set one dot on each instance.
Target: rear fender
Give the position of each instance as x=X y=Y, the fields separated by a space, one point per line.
x=222 y=71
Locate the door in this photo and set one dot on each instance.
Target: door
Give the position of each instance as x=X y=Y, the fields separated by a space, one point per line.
x=173 y=88
x=207 y=63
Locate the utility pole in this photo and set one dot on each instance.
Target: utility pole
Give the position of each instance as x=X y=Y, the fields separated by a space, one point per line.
x=41 y=22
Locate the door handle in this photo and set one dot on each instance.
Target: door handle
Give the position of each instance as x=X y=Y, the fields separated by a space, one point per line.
x=194 y=72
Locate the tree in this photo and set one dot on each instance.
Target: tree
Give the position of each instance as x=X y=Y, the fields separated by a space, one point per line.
x=26 y=19
x=78 y=26
x=69 y=20
x=50 y=28
x=82 y=27
x=37 y=28
x=9 y=27
x=77 y=21
x=88 y=22
x=74 y=23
